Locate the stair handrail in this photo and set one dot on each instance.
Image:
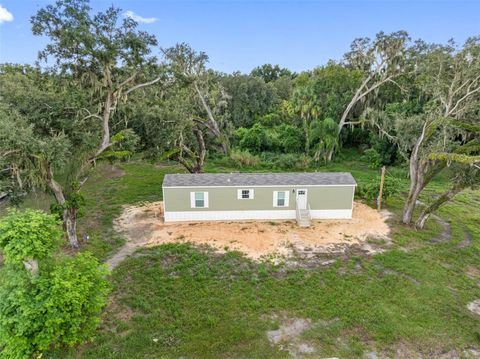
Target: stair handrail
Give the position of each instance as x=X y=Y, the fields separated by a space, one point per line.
x=297 y=211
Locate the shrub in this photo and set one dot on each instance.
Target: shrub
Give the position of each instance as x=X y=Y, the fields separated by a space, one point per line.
x=253 y=139
x=269 y=120
x=56 y=303
x=124 y=145
x=290 y=138
x=370 y=190
x=373 y=158
x=61 y=306
x=286 y=161
x=244 y=158
x=323 y=138
x=28 y=235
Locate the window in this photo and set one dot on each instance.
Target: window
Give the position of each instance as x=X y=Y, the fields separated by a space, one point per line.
x=245 y=194
x=280 y=198
x=199 y=199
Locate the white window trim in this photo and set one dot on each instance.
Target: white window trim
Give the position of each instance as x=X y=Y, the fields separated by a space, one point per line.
x=192 y=199
x=251 y=192
x=287 y=198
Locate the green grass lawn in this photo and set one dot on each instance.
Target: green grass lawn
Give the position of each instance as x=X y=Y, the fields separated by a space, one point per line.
x=182 y=301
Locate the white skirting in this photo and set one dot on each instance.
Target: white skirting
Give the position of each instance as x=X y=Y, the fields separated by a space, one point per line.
x=255 y=215
x=331 y=213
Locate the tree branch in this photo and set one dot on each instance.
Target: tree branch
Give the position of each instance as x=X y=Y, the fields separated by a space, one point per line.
x=136 y=87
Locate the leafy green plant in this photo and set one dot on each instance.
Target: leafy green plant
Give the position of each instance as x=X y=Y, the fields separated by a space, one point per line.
x=373 y=158
x=371 y=189
x=290 y=138
x=28 y=235
x=244 y=158
x=60 y=304
x=324 y=138
x=253 y=139
x=124 y=145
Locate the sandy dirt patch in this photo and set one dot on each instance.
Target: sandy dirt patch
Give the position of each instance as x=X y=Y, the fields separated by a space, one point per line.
x=287 y=337
x=143 y=226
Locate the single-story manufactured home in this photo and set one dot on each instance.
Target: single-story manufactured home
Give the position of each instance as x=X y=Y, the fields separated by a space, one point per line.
x=259 y=196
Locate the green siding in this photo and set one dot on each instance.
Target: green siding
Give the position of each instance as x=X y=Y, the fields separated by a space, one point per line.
x=225 y=198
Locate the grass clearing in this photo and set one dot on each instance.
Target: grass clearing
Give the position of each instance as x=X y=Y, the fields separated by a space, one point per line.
x=176 y=300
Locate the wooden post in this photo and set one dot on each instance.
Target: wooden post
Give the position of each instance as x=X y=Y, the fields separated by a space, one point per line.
x=382 y=180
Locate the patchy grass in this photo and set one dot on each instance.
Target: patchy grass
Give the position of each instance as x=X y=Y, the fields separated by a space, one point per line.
x=106 y=194
x=176 y=300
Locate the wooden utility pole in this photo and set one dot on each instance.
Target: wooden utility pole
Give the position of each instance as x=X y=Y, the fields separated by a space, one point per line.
x=380 y=194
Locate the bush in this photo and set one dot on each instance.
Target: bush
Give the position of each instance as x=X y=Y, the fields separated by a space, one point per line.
x=373 y=158
x=252 y=139
x=124 y=145
x=269 y=120
x=286 y=161
x=58 y=302
x=61 y=306
x=28 y=235
x=290 y=138
x=370 y=190
x=244 y=159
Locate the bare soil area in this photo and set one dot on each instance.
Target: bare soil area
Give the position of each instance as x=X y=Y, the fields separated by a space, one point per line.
x=143 y=225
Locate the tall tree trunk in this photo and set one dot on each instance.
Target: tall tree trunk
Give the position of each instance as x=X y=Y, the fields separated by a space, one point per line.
x=417 y=180
x=70 y=220
x=307 y=136
x=69 y=215
x=200 y=158
x=212 y=123
x=445 y=197
x=107 y=109
x=416 y=186
x=197 y=158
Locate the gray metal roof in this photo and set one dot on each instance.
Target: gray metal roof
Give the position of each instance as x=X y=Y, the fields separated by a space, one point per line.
x=258 y=179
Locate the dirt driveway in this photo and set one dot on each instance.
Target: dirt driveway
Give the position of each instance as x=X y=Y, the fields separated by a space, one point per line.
x=143 y=226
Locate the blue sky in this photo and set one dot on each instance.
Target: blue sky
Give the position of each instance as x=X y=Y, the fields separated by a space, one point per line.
x=239 y=35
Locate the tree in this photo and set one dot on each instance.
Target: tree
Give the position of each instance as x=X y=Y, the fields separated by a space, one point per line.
x=449 y=76
x=445 y=97
x=50 y=135
x=249 y=98
x=465 y=169
x=304 y=103
x=103 y=56
x=324 y=137
x=57 y=301
x=380 y=61
x=334 y=86
x=464 y=177
x=192 y=157
x=270 y=73
x=190 y=68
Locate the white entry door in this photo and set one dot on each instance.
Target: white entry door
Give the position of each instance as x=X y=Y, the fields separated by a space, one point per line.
x=302 y=198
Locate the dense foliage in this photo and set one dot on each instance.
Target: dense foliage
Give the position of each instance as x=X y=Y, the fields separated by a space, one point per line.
x=106 y=92
x=45 y=299
x=29 y=234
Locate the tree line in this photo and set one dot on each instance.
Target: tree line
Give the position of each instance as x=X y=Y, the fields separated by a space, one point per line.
x=106 y=90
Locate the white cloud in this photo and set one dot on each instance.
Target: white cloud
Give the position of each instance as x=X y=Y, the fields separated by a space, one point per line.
x=5 y=15
x=140 y=19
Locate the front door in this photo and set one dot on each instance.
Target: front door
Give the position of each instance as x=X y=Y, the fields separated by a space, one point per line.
x=301 y=198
